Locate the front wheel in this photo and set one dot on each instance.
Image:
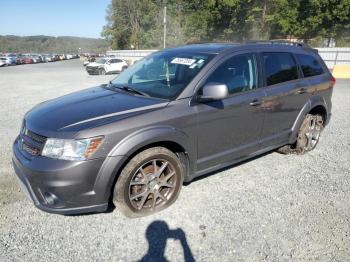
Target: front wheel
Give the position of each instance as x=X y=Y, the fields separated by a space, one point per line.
x=101 y=71
x=150 y=182
x=308 y=136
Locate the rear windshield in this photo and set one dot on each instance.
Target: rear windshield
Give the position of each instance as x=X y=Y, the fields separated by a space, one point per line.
x=309 y=65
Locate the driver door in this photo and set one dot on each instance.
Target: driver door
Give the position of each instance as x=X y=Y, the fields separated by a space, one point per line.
x=230 y=129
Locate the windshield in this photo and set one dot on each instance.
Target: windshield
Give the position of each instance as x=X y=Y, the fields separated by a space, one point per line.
x=164 y=74
x=101 y=61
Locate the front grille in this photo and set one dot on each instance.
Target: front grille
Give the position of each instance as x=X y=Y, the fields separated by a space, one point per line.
x=30 y=142
x=36 y=137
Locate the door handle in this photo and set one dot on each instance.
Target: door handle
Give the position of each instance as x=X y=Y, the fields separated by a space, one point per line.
x=302 y=91
x=255 y=102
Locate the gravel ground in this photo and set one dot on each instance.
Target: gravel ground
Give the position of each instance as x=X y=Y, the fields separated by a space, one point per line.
x=273 y=208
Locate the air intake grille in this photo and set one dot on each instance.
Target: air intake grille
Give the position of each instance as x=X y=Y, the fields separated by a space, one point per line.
x=30 y=142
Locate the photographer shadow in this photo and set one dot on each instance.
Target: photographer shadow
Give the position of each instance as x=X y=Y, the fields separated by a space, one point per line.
x=157 y=234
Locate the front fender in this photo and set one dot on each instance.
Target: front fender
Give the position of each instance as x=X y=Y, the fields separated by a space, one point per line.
x=120 y=154
x=150 y=135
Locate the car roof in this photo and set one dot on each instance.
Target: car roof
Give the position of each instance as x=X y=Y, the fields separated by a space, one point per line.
x=212 y=48
x=216 y=48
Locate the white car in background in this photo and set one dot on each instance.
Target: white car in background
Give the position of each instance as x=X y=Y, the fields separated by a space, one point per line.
x=3 y=61
x=106 y=65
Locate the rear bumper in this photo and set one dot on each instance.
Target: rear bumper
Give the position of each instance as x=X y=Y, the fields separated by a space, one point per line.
x=64 y=187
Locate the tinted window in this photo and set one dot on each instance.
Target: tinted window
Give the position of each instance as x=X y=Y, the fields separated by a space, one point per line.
x=238 y=73
x=101 y=60
x=279 y=68
x=309 y=65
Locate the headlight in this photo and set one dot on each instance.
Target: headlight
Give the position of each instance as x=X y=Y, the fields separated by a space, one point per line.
x=68 y=149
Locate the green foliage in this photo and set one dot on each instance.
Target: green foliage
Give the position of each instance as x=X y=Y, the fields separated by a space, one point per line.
x=48 y=44
x=140 y=22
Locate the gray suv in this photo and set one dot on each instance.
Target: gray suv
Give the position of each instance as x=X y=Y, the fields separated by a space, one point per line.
x=171 y=117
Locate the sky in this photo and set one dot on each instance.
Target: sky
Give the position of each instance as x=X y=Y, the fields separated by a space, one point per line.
x=84 y=18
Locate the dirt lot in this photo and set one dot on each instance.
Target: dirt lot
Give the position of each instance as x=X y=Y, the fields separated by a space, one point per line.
x=273 y=208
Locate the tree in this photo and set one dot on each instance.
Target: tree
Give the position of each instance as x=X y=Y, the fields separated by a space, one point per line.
x=307 y=19
x=139 y=22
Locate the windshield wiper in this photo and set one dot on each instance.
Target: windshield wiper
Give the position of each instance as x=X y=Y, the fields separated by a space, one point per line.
x=128 y=89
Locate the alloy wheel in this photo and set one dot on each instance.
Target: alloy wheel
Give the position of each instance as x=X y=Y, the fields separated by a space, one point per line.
x=152 y=185
x=313 y=132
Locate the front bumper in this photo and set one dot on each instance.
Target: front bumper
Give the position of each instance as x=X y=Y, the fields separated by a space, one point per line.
x=65 y=187
x=92 y=70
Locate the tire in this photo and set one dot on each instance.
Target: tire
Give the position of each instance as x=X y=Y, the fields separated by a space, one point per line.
x=139 y=191
x=101 y=71
x=308 y=136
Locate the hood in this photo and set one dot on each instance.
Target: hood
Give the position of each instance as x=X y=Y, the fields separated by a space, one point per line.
x=94 y=64
x=87 y=109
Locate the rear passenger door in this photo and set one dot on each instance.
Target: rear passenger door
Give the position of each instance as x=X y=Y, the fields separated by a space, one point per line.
x=286 y=94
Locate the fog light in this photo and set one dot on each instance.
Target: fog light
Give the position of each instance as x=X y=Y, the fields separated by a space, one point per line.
x=50 y=198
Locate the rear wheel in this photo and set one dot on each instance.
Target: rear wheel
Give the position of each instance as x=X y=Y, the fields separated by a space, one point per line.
x=150 y=182
x=308 y=136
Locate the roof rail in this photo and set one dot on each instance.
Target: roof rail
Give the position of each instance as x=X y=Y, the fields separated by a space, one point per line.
x=280 y=42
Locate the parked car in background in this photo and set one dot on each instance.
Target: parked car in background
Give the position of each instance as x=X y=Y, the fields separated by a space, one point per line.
x=10 y=60
x=89 y=59
x=30 y=58
x=15 y=57
x=27 y=59
x=3 y=61
x=37 y=58
x=55 y=57
x=48 y=58
x=104 y=66
x=20 y=59
x=62 y=57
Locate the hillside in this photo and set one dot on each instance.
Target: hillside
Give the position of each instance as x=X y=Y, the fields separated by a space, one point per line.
x=61 y=44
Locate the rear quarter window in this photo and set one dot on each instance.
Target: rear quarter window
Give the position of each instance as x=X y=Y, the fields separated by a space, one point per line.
x=279 y=67
x=309 y=65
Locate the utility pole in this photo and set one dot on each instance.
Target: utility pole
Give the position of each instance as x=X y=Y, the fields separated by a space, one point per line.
x=164 y=24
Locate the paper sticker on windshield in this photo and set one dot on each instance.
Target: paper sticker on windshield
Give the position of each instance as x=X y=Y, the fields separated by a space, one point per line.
x=198 y=64
x=183 y=61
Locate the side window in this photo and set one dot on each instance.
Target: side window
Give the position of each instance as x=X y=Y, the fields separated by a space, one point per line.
x=309 y=65
x=117 y=61
x=238 y=73
x=279 y=68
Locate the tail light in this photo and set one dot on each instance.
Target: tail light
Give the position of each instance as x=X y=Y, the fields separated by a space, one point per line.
x=333 y=80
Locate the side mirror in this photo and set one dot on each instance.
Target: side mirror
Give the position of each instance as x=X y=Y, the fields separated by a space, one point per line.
x=213 y=91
